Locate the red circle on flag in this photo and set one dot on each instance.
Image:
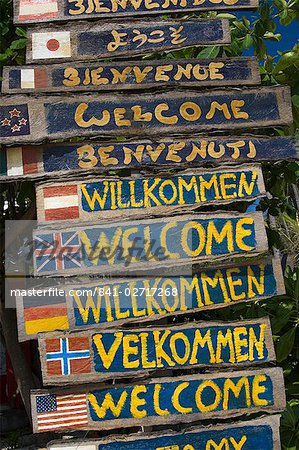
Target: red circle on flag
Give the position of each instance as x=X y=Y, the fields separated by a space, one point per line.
x=53 y=45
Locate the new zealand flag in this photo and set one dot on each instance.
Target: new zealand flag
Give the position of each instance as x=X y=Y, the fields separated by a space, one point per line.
x=14 y=120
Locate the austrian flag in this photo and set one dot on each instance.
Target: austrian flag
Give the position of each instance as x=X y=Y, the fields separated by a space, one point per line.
x=38 y=9
x=60 y=204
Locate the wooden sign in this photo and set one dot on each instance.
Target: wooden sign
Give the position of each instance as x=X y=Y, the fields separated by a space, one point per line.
x=99 y=40
x=147 y=244
x=55 y=10
x=28 y=120
x=58 y=159
x=107 y=198
x=130 y=75
x=90 y=356
x=257 y=434
x=181 y=399
x=112 y=303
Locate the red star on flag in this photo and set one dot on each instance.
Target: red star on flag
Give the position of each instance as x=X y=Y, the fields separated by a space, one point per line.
x=23 y=121
x=15 y=128
x=5 y=122
x=14 y=113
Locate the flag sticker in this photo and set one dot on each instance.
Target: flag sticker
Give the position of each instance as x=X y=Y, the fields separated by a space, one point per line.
x=51 y=45
x=38 y=9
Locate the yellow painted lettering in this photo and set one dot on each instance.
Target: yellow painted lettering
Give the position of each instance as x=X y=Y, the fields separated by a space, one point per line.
x=190 y=111
x=202 y=341
x=222 y=342
x=81 y=122
x=162 y=107
x=199 y=393
x=242 y=232
x=257 y=389
x=236 y=105
x=107 y=404
x=130 y=349
x=137 y=402
x=175 y=399
x=226 y=233
x=232 y=388
x=107 y=358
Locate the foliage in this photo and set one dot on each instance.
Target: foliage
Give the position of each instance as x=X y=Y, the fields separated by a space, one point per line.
x=253 y=33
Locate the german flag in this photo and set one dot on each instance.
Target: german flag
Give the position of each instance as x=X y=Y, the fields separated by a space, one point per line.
x=44 y=313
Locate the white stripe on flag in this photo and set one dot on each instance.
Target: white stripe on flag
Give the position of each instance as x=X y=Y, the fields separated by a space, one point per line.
x=62 y=425
x=61 y=202
x=27 y=78
x=14 y=157
x=30 y=8
x=62 y=419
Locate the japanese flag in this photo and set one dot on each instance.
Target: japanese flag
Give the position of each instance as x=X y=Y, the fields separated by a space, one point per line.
x=51 y=45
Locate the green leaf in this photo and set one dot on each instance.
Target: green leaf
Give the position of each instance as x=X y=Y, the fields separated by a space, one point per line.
x=285 y=345
x=295 y=100
x=272 y=36
x=225 y=16
x=286 y=60
x=21 y=32
x=286 y=17
x=18 y=44
x=248 y=41
x=209 y=52
x=280 y=4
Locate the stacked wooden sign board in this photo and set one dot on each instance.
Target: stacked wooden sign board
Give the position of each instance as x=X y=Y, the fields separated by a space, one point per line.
x=167 y=260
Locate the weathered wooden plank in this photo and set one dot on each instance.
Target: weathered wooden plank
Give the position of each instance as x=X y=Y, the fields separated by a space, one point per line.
x=147 y=244
x=28 y=120
x=96 y=76
x=67 y=158
x=58 y=10
x=162 y=401
x=90 y=356
x=110 y=303
x=257 y=434
x=98 y=40
x=108 y=198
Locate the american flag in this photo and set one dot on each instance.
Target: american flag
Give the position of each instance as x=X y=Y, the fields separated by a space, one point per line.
x=57 y=251
x=61 y=411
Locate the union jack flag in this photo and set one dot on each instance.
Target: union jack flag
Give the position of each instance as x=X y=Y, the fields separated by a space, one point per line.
x=57 y=251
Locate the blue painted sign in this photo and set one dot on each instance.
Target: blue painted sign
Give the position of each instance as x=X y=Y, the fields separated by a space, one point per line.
x=148 y=244
x=257 y=434
x=166 y=400
x=109 y=197
x=99 y=356
x=54 y=159
x=176 y=112
x=56 y=10
x=112 y=303
x=130 y=75
x=101 y=40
